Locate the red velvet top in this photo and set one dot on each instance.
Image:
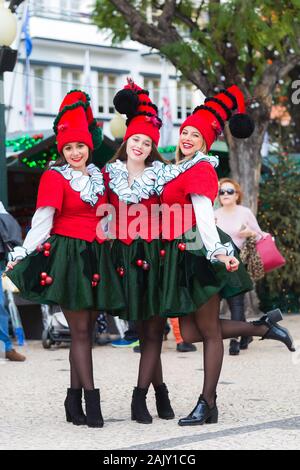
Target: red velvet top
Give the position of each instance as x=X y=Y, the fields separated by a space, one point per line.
x=199 y=179
x=73 y=217
x=133 y=220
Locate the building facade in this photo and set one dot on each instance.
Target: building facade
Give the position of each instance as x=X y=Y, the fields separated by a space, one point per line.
x=63 y=37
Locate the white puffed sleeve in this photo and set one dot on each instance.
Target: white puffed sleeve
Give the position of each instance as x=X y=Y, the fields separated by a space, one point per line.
x=205 y=219
x=41 y=225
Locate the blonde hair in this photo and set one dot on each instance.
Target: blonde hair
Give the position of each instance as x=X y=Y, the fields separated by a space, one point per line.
x=237 y=188
x=179 y=157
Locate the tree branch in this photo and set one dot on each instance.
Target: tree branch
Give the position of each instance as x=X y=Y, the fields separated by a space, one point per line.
x=165 y=19
x=158 y=38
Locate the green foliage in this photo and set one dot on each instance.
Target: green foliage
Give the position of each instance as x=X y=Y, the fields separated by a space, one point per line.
x=255 y=31
x=279 y=214
x=107 y=18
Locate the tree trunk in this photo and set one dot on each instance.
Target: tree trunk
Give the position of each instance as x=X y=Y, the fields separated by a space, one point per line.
x=245 y=164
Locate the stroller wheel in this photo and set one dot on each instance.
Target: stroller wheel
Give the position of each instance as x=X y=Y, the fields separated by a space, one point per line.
x=46 y=341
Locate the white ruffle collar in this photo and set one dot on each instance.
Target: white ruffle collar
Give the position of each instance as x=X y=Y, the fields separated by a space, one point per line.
x=88 y=186
x=142 y=187
x=169 y=172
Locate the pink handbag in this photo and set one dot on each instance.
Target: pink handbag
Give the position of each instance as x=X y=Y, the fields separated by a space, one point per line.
x=269 y=253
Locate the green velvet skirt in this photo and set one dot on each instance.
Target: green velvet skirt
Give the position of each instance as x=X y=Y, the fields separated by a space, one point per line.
x=81 y=273
x=141 y=284
x=190 y=280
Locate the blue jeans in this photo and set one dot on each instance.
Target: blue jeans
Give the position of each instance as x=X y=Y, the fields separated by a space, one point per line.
x=4 y=317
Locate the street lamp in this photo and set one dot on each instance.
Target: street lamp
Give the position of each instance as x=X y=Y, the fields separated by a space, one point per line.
x=8 y=57
x=117 y=127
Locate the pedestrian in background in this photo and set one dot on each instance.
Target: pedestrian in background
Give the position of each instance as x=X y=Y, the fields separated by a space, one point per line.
x=10 y=236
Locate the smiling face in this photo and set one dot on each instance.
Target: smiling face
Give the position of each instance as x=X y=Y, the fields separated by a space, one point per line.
x=138 y=147
x=76 y=154
x=191 y=141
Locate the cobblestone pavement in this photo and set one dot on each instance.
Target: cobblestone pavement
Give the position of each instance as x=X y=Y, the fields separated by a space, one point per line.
x=258 y=400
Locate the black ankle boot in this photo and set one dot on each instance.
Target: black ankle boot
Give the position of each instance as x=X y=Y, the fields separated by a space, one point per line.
x=275 y=331
x=73 y=407
x=139 y=410
x=201 y=414
x=234 y=347
x=93 y=409
x=163 y=405
x=245 y=341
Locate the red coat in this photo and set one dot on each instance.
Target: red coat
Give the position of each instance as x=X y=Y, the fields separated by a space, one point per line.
x=73 y=217
x=199 y=179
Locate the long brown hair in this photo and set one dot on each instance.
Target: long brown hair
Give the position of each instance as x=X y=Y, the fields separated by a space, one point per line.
x=121 y=154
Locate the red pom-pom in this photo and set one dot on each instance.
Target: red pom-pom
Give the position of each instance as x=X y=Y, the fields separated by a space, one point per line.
x=96 y=277
x=139 y=263
x=162 y=253
x=43 y=275
x=42 y=282
x=47 y=246
x=46 y=253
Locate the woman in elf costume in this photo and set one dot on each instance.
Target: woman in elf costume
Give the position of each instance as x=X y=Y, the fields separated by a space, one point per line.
x=201 y=262
x=130 y=179
x=65 y=258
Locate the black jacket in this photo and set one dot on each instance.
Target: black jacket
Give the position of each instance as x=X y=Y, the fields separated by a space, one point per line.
x=10 y=234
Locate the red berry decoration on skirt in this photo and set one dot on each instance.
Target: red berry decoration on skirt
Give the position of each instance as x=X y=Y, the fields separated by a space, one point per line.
x=96 y=277
x=139 y=263
x=146 y=266
x=162 y=253
x=94 y=283
x=49 y=280
x=121 y=272
x=47 y=246
x=181 y=246
x=43 y=282
x=43 y=275
x=46 y=253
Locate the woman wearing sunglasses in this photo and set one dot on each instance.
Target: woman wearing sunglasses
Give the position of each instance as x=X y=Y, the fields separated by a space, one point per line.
x=197 y=273
x=240 y=223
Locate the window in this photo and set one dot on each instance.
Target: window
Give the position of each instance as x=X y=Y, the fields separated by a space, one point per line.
x=153 y=85
x=107 y=88
x=184 y=99
x=39 y=87
x=70 y=6
x=71 y=79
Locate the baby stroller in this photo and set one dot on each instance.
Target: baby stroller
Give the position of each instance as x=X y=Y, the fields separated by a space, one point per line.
x=56 y=329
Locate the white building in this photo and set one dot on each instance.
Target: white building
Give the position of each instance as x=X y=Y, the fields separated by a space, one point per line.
x=62 y=32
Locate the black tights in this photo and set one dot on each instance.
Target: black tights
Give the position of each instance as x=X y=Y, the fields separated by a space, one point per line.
x=205 y=326
x=81 y=324
x=151 y=336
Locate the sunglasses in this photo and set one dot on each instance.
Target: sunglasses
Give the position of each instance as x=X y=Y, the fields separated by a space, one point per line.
x=228 y=191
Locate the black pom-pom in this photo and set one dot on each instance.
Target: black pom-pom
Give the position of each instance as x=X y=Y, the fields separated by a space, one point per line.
x=126 y=102
x=241 y=126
